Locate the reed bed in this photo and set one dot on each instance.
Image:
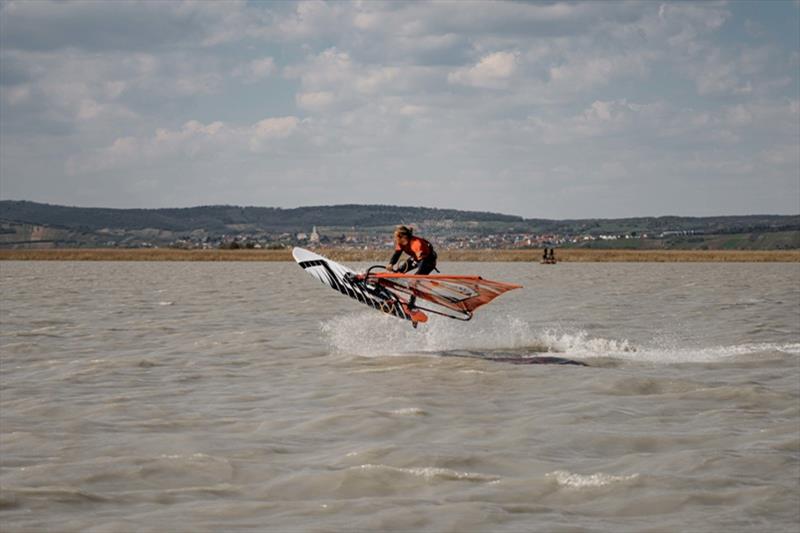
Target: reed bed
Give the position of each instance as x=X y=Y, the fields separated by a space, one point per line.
x=381 y=256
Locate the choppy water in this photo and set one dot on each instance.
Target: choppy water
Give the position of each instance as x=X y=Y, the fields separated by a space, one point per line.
x=211 y=396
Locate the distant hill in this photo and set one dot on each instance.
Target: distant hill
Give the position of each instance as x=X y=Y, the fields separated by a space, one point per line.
x=221 y=218
x=23 y=222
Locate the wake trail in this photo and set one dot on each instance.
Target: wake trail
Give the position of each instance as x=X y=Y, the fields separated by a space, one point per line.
x=371 y=335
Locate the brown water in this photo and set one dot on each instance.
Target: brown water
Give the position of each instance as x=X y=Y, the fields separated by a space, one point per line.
x=224 y=396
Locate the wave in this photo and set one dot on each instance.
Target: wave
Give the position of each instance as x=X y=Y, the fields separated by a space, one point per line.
x=513 y=337
x=582 y=481
x=711 y=354
x=429 y=473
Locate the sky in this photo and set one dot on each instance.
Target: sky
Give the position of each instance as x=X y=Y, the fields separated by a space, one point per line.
x=539 y=109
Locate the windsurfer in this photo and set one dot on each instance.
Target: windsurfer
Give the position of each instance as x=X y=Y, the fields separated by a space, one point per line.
x=422 y=256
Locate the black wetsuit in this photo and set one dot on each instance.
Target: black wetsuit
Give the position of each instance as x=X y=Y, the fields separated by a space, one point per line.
x=427 y=265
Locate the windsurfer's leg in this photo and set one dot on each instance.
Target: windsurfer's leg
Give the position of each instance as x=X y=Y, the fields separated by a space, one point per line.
x=427 y=265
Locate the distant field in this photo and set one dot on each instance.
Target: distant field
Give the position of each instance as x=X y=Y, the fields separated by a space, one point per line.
x=380 y=256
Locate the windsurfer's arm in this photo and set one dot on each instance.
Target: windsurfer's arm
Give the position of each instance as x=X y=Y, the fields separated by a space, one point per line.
x=394 y=259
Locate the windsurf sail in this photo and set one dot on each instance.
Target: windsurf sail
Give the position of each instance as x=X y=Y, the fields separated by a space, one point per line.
x=451 y=296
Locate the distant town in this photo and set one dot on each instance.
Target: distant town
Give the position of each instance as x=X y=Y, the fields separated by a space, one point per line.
x=359 y=240
x=33 y=225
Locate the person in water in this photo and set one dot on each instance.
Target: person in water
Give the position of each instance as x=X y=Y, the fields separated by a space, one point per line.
x=422 y=256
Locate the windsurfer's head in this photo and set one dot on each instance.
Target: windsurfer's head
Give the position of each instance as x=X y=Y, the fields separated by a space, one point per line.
x=402 y=234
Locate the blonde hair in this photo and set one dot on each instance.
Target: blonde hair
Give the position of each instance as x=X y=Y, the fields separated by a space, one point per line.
x=403 y=231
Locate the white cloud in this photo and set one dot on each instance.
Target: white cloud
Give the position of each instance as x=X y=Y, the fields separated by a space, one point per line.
x=710 y=15
x=333 y=81
x=600 y=119
x=90 y=92
x=270 y=129
x=376 y=79
x=193 y=139
x=412 y=110
x=717 y=75
x=739 y=115
x=584 y=74
x=17 y=95
x=256 y=70
x=330 y=68
x=492 y=71
x=783 y=155
x=639 y=86
x=89 y=109
x=314 y=19
x=315 y=101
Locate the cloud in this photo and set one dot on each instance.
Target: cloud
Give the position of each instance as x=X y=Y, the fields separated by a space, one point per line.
x=488 y=97
x=333 y=81
x=717 y=75
x=603 y=118
x=109 y=87
x=255 y=70
x=194 y=139
x=582 y=73
x=783 y=155
x=330 y=68
x=493 y=71
x=739 y=115
x=377 y=79
x=264 y=131
x=314 y=19
x=121 y=25
x=315 y=101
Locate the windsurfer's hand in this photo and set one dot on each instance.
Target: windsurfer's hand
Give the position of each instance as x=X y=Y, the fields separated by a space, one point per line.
x=390 y=267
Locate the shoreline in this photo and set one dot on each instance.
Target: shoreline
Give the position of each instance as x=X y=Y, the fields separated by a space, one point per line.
x=566 y=255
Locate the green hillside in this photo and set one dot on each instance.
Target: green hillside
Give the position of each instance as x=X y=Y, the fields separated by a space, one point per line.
x=23 y=223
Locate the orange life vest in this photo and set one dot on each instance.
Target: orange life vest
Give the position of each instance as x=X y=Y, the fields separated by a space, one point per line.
x=417 y=248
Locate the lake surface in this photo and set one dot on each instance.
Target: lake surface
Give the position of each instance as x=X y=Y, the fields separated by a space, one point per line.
x=233 y=396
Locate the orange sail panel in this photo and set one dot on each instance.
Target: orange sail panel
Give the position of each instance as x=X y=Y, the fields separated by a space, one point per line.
x=459 y=293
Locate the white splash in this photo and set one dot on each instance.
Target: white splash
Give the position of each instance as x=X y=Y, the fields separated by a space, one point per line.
x=672 y=354
x=374 y=335
x=405 y=411
x=389 y=336
x=581 y=481
x=429 y=473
